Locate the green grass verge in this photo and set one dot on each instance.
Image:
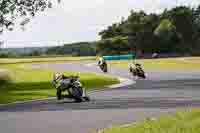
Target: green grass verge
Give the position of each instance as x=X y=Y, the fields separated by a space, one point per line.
x=28 y=83
x=181 y=122
x=171 y=64
x=193 y=59
x=44 y=59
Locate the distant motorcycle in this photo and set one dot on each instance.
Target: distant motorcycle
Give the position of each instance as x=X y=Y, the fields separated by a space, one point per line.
x=137 y=71
x=103 y=65
x=72 y=85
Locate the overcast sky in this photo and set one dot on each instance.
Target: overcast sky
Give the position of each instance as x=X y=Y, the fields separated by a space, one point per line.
x=80 y=20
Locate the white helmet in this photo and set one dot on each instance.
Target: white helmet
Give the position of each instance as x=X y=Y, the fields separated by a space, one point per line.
x=101 y=59
x=57 y=76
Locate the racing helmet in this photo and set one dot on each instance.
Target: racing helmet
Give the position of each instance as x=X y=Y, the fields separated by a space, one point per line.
x=58 y=76
x=101 y=59
x=137 y=64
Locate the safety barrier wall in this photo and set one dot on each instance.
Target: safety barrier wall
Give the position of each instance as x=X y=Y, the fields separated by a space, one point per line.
x=119 y=57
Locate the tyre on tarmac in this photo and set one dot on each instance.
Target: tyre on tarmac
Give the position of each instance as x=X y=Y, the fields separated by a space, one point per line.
x=59 y=94
x=86 y=98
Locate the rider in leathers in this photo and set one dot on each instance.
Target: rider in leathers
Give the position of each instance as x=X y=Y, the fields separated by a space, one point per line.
x=102 y=64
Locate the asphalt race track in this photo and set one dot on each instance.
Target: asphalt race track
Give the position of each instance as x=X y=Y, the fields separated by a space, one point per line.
x=160 y=93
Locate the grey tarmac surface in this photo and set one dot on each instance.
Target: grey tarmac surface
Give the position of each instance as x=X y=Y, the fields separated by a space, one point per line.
x=160 y=93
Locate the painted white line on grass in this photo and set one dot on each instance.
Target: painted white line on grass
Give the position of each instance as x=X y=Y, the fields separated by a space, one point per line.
x=123 y=81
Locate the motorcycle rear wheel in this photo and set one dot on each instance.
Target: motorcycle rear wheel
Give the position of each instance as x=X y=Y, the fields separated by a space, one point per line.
x=78 y=100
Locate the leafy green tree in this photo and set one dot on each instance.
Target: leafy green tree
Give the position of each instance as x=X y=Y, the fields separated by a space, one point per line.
x=167 y=36
x=111 y=31
x=196 y=36
x=75 y=49
x=12 y=11
x=113 y=46
x=183 y=19
x=174 y=30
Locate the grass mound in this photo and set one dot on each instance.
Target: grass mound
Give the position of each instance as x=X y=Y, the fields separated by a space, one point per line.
x=29 y=83
x=4 y=78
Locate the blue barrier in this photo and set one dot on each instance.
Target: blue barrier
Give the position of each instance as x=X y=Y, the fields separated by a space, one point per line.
x=119 y=57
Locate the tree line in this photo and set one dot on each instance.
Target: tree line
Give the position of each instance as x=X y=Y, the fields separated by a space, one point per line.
x=74 y=49
x=176 y=30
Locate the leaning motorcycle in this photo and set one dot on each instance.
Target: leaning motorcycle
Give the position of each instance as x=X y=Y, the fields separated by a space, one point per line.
x=73 y=87
x=137 y=72
x=103 y=66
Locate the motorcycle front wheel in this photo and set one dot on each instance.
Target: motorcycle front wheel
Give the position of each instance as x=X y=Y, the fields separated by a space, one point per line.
x=105 y=69
x=59 y=94
x=86 y=98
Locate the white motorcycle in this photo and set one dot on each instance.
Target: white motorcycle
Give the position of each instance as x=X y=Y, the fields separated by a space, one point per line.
x=103 y=65
x=137 y=71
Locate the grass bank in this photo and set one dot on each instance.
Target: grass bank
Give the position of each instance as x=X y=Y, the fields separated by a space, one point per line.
x=28 y=83
x=181 y=122
x=171 y=64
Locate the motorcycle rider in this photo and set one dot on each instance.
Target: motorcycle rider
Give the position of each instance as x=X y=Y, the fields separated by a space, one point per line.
x=102 y=64
x=101 y=61
x=60 y=83
x=59 y=79
x=63 y=83
x=136 y=69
